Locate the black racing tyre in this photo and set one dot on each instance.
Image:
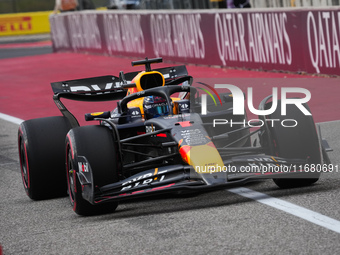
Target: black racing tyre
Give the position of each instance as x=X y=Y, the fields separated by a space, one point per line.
x=96 y=144
x=299 y=142
x=41 y=144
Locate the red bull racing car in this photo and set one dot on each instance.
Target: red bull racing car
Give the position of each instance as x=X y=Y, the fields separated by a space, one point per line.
x=158 y=141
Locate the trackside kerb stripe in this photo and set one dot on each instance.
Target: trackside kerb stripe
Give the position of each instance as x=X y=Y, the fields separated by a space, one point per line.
x=11 y=119
x=301 y=212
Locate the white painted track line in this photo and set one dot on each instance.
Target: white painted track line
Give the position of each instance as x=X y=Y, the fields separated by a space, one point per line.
x=298 y=211
x=10 y=118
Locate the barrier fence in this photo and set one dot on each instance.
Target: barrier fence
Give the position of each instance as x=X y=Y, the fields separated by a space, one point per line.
x=293 y=3
x=15 y=6
x=177 y=4
x=305 y=40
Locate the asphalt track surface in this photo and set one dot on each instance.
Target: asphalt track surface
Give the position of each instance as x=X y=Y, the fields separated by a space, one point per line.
x=220 y=222
x=13 y=53
x=12 y=47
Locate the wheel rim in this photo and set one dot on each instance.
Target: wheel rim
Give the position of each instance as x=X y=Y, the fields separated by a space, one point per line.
x=23 y=163
x=70 y=177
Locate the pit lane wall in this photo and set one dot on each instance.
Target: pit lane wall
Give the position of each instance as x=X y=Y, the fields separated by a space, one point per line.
x=297 y=40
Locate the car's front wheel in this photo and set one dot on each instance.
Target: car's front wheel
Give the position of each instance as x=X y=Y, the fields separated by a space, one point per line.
x=96 y=144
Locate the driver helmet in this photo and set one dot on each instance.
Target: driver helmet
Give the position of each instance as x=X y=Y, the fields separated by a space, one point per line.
x=154 y=106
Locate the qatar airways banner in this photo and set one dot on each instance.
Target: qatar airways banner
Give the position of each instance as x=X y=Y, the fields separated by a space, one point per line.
x=289 y=40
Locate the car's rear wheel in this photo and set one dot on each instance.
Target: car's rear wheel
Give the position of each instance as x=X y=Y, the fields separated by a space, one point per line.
x=299 y=142
x=96 y=144
x=42 y=156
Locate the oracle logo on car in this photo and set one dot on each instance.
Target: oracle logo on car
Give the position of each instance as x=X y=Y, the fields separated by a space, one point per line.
x=91 y=88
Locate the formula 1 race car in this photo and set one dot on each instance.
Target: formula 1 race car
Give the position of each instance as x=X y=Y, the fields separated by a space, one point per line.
x=158 y=141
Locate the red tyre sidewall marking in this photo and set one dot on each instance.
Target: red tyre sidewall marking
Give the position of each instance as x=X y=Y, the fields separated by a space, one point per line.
x=21 y=137
x=73 y=200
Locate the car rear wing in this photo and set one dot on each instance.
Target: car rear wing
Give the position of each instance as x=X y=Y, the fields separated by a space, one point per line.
x=98 y=87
